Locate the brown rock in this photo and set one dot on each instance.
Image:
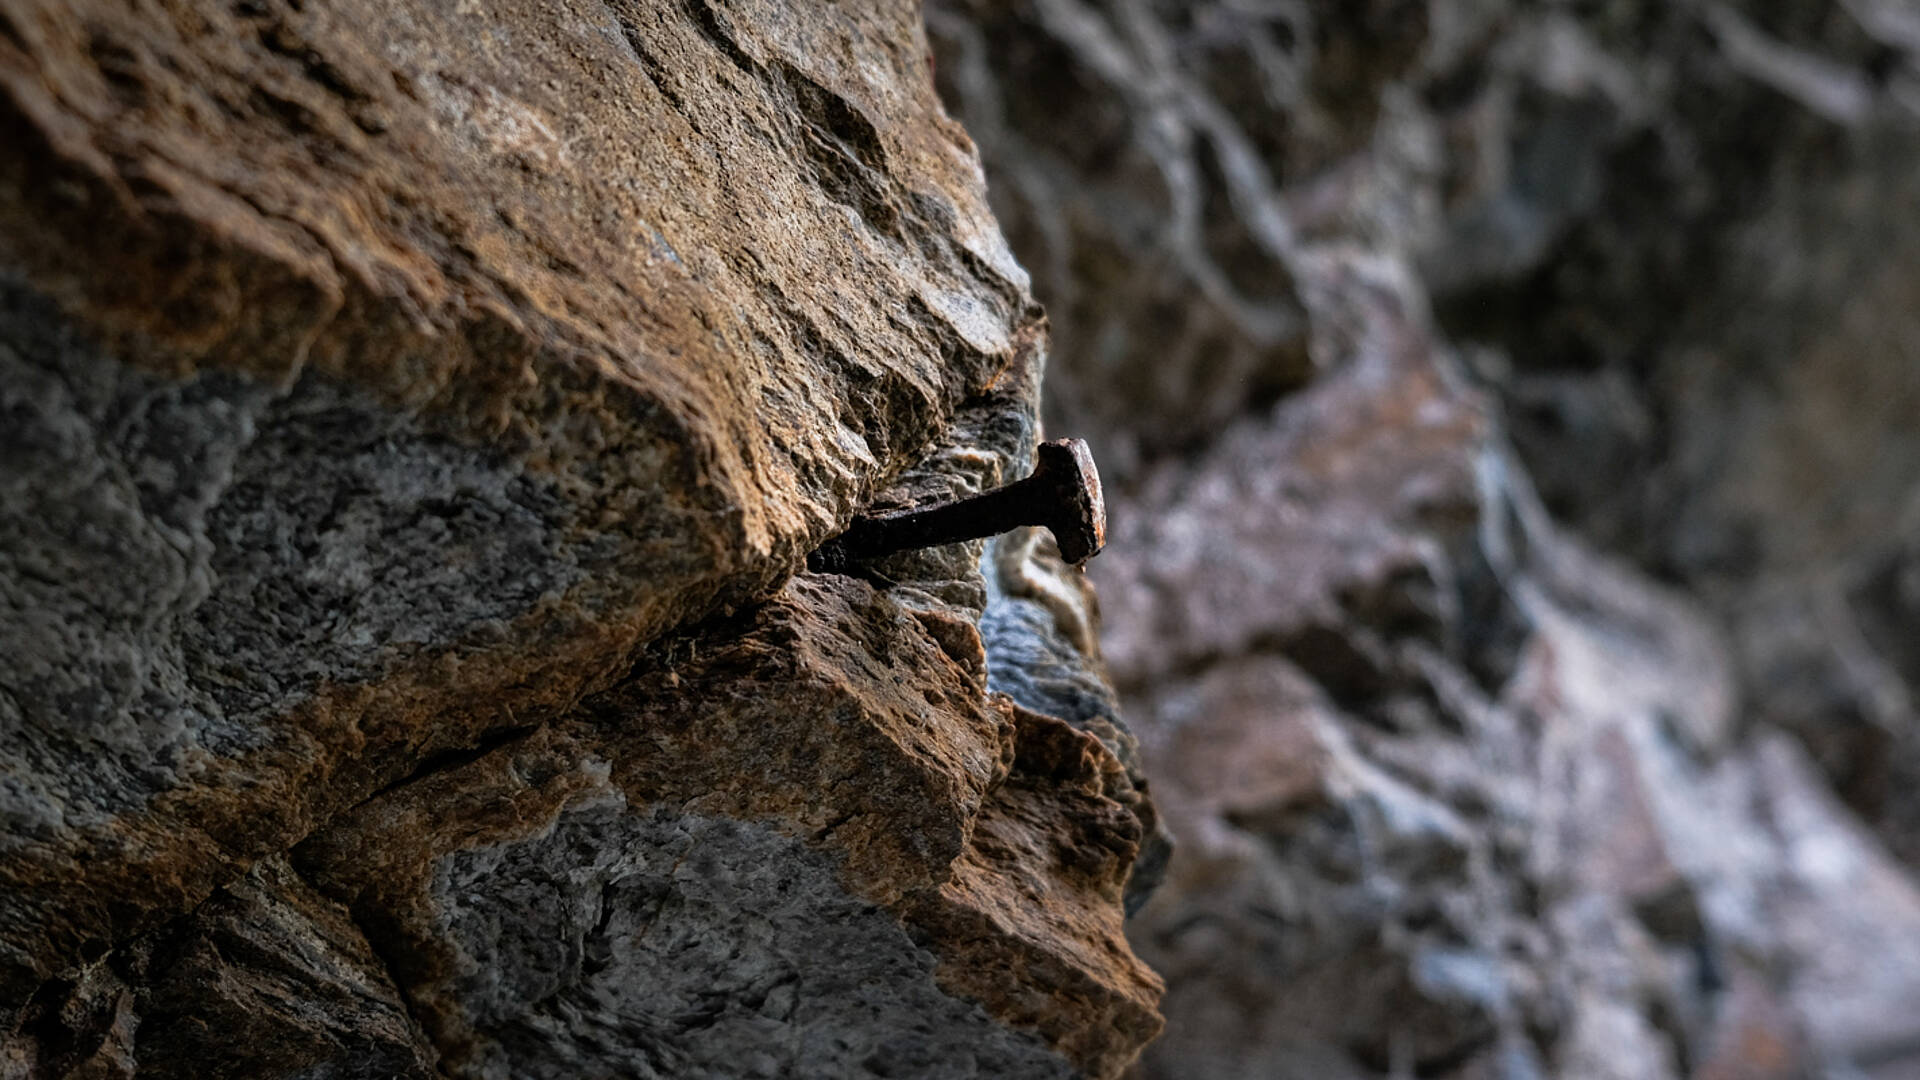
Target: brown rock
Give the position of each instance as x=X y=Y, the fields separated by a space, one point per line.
x=799 y=846
x=266 y=978
x=380 y=377
x=414 y=416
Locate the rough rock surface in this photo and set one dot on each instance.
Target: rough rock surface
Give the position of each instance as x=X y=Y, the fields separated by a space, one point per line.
x=1508 y=411
x=680 y=881
x=413 y=417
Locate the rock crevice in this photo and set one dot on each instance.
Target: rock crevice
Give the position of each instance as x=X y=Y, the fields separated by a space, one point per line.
x=415 y=417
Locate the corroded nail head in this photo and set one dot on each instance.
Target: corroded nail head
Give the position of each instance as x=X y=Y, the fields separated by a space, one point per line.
x=1078 y=514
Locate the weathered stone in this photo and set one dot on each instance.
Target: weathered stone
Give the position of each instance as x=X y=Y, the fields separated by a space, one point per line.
x=1847 y=912
x=1397 y=850
x=413 y=416
x=801 y=846
x=266 y=978
x=1137 y=163
x=379 y=377
x=1365 y=296
x=1708 y=367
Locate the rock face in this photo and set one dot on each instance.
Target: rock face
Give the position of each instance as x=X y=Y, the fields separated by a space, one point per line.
x=679 y=879
x=1508 y=416
x=415 y=417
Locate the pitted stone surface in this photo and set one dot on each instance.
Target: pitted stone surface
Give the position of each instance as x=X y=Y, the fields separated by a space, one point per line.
x=750 y=793
x=266 y=978
x=688 y=946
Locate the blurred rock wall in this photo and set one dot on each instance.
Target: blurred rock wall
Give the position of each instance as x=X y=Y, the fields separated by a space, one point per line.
x=1510 y=415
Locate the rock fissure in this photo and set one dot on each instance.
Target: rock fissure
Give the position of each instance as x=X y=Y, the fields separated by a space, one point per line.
x=418 y=417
